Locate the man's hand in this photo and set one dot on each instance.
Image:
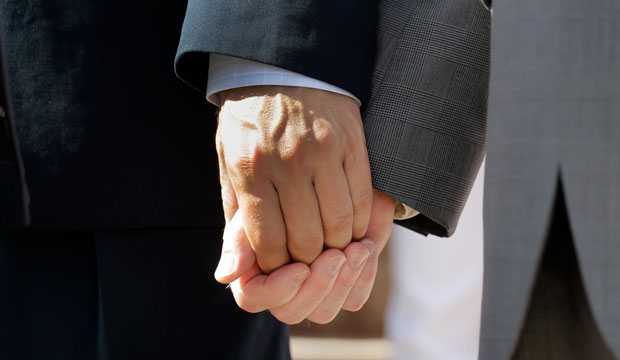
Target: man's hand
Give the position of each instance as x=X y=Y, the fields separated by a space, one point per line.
x=336 y=280
x=293 y=161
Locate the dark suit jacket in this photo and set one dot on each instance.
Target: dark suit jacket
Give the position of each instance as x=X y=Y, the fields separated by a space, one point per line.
x=105 y=134
x=425 y=116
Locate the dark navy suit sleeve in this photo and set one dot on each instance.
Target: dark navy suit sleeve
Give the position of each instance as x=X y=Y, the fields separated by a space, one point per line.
x=330 y=40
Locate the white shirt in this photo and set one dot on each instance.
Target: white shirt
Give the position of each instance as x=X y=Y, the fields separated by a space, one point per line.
x=227 y=72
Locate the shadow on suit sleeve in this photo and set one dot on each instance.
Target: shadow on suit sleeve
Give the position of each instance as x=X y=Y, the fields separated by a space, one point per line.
x=328 y=40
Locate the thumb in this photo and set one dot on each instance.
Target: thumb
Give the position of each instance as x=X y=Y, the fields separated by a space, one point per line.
x=237 y=255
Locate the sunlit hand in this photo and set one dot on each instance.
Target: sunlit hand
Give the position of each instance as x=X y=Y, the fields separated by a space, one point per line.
x=293 y=162
x=336 y=280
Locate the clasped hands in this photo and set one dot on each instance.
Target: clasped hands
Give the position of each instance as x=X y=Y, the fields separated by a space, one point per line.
x=304 y=227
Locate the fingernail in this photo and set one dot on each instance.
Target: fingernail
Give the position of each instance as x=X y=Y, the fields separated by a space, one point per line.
x=226 y=265
x=335 y=265
x=370 y=245
x=300 y=278
x=358 y=257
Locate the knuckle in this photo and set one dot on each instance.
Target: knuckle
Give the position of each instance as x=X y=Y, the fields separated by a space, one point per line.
x=339 y=223
x=307 y=241
x=306 y=257
x=363 y=201
x=327 y=140
x=354 y=152
x=269 y=261
x=247 y=162
x=267 y=268
x=243 y=166
x=306 y=248
x=265 y=244
x=324 y=135
x=293 y=156
x=257 y=154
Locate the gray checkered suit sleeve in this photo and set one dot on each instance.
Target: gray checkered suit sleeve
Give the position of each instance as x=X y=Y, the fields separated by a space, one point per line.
x=425 y=122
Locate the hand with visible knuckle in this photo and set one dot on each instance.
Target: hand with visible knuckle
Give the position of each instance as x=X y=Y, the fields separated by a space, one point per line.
x=268 y=135
x=297 y=165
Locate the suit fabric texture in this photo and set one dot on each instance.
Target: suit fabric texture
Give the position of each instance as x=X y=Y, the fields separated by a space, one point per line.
x=425 y=121
x=76 y=71
x=106 y=134
x=78 y=161
x=124 y=294
x=553 y=111
x=554 y=107
x=559 y=323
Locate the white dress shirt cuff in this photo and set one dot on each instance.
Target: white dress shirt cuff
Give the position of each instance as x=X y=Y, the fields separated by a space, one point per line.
x=227 y=72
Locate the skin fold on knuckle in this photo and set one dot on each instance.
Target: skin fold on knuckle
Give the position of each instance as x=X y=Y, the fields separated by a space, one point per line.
x=356 y=151
x=362 y=215
x=293 y=148
x=248 y=163
x=325 y=134
x=271 y=262
x=271 y=252
x=295 y=161
x=305 y=248
x=339 y=225
x=363 y=201
x=266 y=244
x=330 y=149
